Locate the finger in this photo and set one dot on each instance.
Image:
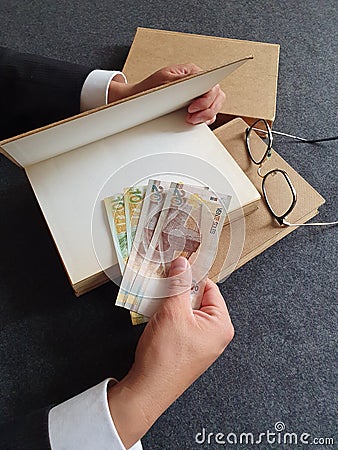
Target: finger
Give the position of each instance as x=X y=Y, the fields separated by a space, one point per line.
x=212 y=297
x=209 y=113
x=179 y=287
x=204 y=101
x=180 y=277
x=209 y=122
x=213 y=305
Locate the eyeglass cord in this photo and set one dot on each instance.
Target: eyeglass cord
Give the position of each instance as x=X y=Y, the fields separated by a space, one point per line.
x=311 y=141
x=308 y=224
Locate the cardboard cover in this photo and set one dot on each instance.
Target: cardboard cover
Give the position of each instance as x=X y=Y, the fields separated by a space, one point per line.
x=250 y=93
x=91 y=126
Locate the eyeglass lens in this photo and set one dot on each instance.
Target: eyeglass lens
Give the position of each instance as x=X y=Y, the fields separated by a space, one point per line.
x=260 y=150
x=278 y=193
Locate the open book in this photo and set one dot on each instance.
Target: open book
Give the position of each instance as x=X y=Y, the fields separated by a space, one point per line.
x=73 y=164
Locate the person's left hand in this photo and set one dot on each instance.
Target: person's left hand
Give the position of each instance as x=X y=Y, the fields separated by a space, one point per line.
x=202 y=109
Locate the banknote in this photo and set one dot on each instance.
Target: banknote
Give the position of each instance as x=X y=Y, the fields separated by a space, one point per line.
x=176 y=233
x=188 y=224
x=151 y=209
x=117 y=222
x=187 y=227
x=133 y=200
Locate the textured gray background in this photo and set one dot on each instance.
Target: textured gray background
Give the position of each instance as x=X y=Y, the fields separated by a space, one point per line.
x=281 y=363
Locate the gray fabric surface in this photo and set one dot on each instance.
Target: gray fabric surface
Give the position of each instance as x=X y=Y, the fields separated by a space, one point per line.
x=281 y=363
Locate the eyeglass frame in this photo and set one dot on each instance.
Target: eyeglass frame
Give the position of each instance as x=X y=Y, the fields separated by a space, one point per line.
x=280 y=219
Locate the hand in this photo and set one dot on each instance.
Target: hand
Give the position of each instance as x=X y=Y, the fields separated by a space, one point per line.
x=202 y=109
x=176 y=347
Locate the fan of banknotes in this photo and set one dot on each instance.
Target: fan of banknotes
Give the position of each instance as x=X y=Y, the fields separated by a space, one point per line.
x=151 y=226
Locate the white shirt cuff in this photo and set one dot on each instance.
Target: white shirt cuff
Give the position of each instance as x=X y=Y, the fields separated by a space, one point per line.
x=94 y=91
x=84 y=423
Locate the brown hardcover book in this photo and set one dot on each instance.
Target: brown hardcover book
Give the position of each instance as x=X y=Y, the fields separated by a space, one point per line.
x=73 y=164
x=250 y=93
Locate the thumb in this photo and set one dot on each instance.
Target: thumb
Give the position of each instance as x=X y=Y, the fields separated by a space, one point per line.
x=179 y=282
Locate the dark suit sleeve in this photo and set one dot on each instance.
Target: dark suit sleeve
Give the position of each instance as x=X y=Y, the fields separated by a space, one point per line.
x=36 y=91
x=26 y=433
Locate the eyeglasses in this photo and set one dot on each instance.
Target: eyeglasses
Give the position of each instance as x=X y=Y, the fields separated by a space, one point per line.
x=276 y=180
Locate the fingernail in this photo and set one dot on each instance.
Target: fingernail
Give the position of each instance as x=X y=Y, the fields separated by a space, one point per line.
x=179 y=265
x=192 y=109
x=195 y=120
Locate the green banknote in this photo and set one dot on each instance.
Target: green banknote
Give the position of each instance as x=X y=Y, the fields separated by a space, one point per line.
x=117 y=222
x=121 y=209
x=133 y=200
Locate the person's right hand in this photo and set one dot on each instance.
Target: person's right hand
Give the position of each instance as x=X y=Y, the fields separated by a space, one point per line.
x=176 y=347
x=202 y=109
